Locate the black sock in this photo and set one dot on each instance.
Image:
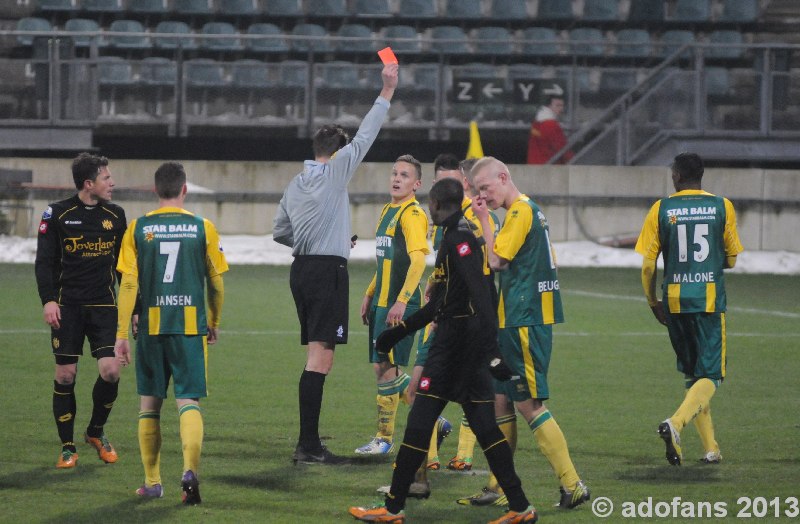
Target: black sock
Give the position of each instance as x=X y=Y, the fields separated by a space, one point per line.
x=311 y=385
x=103 y=396
x=64 y=413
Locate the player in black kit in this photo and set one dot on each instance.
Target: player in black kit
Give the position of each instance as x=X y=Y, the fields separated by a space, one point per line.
x=76 y=257
x=460 y=365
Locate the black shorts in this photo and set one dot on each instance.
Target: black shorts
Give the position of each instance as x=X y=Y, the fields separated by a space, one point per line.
x=457 y=368
x=321 y=290
x=97 y=323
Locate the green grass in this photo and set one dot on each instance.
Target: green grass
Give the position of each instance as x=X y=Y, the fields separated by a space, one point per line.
x=612 y=379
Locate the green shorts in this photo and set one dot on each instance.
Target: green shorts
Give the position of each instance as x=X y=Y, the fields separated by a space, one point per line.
x=400 y=354
x=182 y=357
x=700 y=344
x=526 y=350
x=424 y=342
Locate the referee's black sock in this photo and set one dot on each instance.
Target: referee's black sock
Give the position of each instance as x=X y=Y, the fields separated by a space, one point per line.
x=311 y=385
x=64 y=413
x=103 y=396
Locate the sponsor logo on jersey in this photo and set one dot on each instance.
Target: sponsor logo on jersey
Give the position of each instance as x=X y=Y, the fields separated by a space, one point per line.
x=43 y=227
x=463 y=249
x=48 y=213
x=424 y=383
x=673 y=219
x=149 y=236
x=107 y=225
x=89 y=248
x=73 y=222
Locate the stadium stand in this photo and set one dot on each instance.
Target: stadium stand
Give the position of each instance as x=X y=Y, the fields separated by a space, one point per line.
x=274 y=40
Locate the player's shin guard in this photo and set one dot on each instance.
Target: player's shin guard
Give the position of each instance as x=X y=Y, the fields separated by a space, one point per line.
x=697 y=399
x=310 y=394
x=64 y=413
x=508 y=427
x=498 y=454
x=705 y=427
x=553 y=446
x=387 y=414
x=191 y=421
x=103 y=396
x=150 y=446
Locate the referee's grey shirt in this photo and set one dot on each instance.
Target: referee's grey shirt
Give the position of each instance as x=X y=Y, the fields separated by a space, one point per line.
x=313 y=216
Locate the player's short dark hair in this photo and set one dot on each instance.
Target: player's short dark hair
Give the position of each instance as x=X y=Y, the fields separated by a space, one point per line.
x=329 y=139
x=170 y=178
x=445 y=162
x=86 y=166
x=409 y=159
x=689 y=166
x=448 y=193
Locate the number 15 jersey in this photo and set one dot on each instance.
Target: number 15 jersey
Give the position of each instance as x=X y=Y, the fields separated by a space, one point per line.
x=172 y=251
x=696 y=231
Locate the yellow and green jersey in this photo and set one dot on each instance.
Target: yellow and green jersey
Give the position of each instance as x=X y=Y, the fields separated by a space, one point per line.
x=171 y=252
x=529 y=290
x=402 y=229
x=475 y=224
x=695 y=231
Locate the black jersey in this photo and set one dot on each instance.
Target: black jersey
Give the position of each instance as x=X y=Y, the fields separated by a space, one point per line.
x=77 y=252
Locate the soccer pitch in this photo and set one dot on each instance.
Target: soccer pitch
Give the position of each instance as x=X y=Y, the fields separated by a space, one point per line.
x=612 y=378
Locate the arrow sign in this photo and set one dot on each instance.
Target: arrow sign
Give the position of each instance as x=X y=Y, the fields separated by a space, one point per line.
x=555 y=90
x=489 y=90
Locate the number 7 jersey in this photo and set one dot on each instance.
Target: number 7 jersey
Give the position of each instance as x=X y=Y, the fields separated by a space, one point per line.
x=696 y=231
x=172 y=251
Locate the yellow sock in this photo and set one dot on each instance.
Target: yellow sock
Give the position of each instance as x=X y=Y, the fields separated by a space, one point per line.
x=150 y=446
x=466 y=441
x=697 y=398
x=387 y=413
x=433 y=449
x=191 y=420
x=508 y=425
x=706 y=430
x=553 y=446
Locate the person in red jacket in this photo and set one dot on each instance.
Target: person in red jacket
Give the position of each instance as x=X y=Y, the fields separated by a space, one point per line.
x=546 y=137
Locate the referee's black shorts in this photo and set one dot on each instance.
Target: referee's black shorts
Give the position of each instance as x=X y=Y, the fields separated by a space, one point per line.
x=321 y=288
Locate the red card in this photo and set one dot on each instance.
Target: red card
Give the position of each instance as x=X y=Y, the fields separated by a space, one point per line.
x=387 y=56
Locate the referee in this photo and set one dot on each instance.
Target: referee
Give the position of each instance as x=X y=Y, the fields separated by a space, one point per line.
x=313 y=219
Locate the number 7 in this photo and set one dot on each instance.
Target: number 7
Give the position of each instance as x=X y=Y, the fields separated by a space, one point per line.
x=171 y=250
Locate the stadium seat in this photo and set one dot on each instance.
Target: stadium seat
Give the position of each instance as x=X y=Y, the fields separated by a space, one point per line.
x=251 y=74
x=294 y=73
x=633 y=43
x=283 y=8
x=402 y=39
x=326 y=8
x=741 y=11
x=616 y=82
x=600 y=10
x=364 y=44
x=102 y=6
x=586 y=41
x=245 y=8
x=204 y=78
x=113 y=74
x=172 y=42
x=692 y=11
x=276 y=44
x=148 y=7
x=371 y=9
x=318 y=40
x=220 y=44
x=157 y=70
x=509 y=10
x=449 y=40
x=60 y=6
x=463 y=9
x=193 y=7
x=646 y=11
x=84 y=25
x=493 y=40
x=417 y=9
x=121 y=40
x=541 y=41
x=555 y=10
x=673 y=40
x=718 y=81
x=726 y=44
x=340 y=74
x=31 y=23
